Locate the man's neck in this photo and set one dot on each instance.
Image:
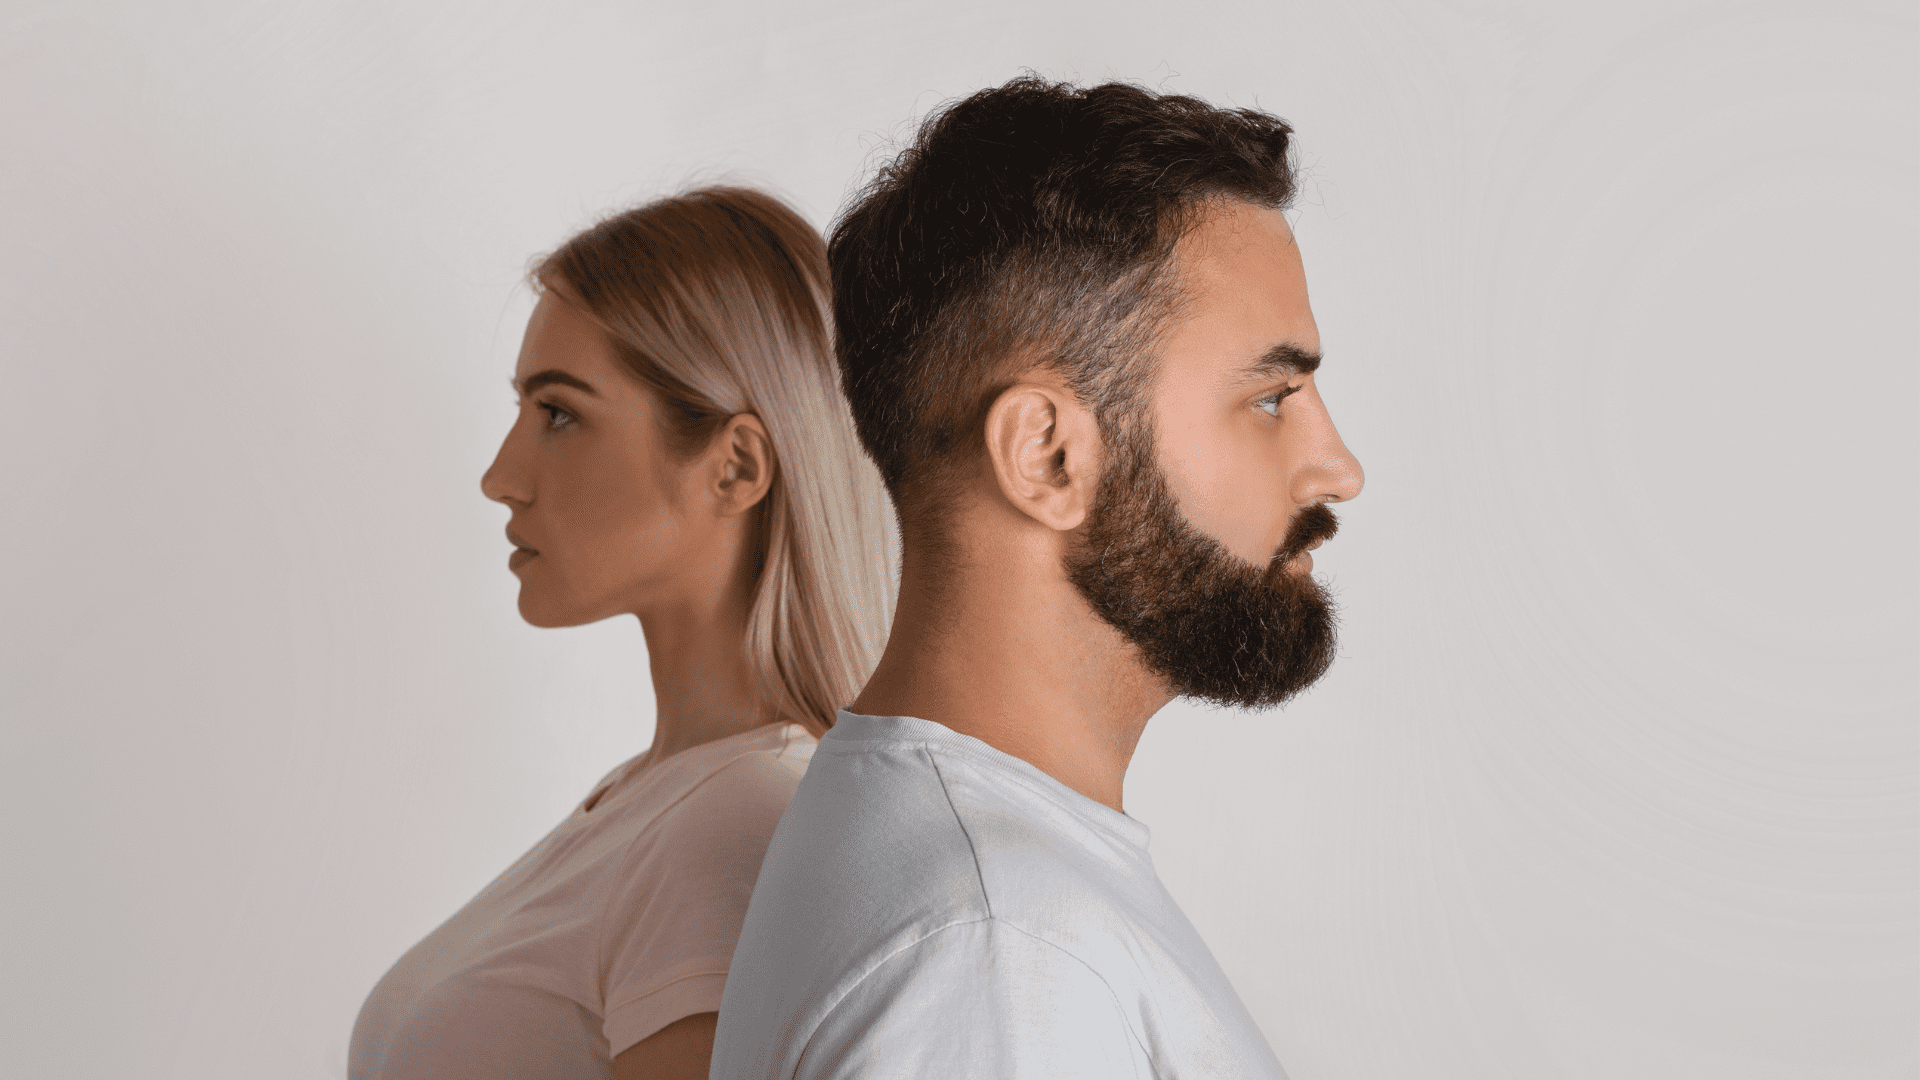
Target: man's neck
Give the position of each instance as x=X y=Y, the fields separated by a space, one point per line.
x=1012 y=655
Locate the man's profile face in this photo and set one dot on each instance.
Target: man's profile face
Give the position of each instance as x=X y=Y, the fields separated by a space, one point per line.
x=1246 y=445
x=1196 y=544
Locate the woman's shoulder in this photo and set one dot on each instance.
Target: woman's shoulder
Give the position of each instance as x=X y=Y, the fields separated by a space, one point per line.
x=789 y=746
x=756 y=767
x=717 y=822
x=749 y=777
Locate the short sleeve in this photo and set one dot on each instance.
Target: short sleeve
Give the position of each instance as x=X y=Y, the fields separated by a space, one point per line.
x=977 y=999
x=674 y=912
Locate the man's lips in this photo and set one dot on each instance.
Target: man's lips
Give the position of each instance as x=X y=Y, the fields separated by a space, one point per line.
x=1300 y=559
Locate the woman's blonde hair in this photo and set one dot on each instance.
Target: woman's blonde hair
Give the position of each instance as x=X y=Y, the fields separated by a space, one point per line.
x=717 y=300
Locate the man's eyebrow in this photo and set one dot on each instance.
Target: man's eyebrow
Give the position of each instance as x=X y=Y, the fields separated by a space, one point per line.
x=1285 y=358
x=551 y=377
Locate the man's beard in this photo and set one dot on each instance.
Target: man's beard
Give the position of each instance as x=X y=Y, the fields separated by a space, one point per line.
x=1217 y=627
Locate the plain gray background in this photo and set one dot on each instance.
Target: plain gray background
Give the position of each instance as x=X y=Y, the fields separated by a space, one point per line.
x=1616 y=776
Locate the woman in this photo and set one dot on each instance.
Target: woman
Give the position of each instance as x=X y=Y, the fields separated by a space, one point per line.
x=682 y=454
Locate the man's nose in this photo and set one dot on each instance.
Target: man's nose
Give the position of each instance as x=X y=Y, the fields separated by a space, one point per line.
x=1330 y=473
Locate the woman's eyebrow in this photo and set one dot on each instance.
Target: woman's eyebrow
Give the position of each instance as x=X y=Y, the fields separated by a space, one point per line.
x=551 y=377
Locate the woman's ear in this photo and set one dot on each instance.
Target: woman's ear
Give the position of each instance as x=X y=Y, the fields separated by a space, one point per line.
x=1045 y=448
x=742 y=463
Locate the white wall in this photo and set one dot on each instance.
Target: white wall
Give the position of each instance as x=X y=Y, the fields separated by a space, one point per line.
x=1617 y=774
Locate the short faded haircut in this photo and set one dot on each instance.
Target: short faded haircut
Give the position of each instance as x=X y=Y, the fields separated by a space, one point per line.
x=1029 y=225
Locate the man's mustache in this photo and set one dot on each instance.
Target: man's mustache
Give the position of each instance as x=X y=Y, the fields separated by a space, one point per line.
x=1314 y=523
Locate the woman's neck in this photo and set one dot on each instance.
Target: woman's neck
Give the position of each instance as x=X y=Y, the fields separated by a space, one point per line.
x=703 y=687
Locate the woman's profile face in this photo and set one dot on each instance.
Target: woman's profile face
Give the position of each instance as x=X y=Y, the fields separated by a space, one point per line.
x=598 y=505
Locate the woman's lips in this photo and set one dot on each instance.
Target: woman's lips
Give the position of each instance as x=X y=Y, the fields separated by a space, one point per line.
x=521 y=550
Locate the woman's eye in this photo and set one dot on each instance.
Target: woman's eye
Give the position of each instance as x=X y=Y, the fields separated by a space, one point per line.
x=556 y=416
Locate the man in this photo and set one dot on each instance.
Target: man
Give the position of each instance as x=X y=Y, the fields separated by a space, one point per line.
x=1074 y=331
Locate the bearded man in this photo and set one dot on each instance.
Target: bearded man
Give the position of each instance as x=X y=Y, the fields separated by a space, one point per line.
x=1074 y=332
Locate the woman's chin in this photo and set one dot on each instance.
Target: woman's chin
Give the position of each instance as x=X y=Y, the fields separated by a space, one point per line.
x=542 y=612
x=542 y=609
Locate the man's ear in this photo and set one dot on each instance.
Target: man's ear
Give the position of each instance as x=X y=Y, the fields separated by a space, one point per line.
x=742 y=464
x=1046 y=450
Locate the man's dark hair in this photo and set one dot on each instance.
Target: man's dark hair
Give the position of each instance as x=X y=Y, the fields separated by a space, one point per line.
x=1028 y=225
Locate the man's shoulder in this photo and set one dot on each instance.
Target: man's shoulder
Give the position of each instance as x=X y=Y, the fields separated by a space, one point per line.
x=887 y=842
x=933 y=831
x=911 y=875
x=868 y=860
x=868 y=857
x=1043 y=862
x=871 y=827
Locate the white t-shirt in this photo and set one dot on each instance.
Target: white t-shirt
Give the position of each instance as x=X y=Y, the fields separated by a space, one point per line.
x=621 y=921
x=932 y=907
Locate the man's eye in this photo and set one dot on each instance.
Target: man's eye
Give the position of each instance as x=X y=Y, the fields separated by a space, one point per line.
x=556 y=416
x=1271 y=404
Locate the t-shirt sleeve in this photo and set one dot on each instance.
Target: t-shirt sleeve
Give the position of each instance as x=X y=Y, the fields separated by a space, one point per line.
x=977 y=999
x=675 y=912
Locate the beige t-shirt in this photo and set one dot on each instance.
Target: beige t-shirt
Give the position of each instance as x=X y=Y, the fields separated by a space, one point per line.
x=621 y=921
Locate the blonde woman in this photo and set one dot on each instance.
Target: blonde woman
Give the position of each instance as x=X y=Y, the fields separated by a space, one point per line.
x=682 y=454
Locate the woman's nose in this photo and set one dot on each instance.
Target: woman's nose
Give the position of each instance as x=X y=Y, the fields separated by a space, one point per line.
x=505 y=481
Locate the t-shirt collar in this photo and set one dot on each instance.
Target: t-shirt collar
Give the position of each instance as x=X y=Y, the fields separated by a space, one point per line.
x=852 y=727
